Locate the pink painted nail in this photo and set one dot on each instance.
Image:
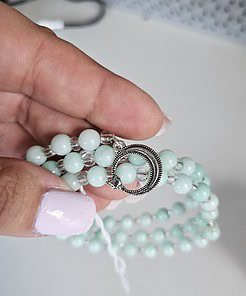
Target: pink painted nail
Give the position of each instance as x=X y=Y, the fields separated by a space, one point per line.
x=65 y=213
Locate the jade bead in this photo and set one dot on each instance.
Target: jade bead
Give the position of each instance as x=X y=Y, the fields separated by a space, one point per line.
x=89 y=140
x=98 y=235
x=183 y=184
x=109 y=222
x=163 y=180
x=168 y=248
x=61 y=145
x=140 y=236
x=176 y=230
x=168 y=158
x=78 y=241
x=212 y=233
x=126 y=172
x=159 y=235
x=130 y=249
x=97 y=176
x=73 y=162
x=51 y=165
x=162 y=214
x=191 y=203
x=188 y=166
x=104 y=155
x=127 y=222
x=136 y=160
x=72 y=181
x=190 y=226
x=202 y=192
x=95 y=246
x=150 y=250
x=200 y=221
x=200 y=241
x=178 y=208
x=210 y=215
x=198 y=173
x=145 y=219
x=206 y=180
x=36 y=155
x=211 y=204
x=185 y=244
x=121 y=236
x=116 y=246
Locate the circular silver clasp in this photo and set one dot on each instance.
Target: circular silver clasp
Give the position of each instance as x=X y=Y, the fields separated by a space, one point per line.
x=155 y=168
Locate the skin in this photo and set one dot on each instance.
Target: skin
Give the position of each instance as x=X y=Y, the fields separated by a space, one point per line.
x=47 y=87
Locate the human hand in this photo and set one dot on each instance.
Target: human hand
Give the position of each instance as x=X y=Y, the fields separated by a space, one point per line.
x=47 y=87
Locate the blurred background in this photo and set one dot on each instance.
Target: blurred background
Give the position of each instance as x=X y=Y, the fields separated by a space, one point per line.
x=191 y=57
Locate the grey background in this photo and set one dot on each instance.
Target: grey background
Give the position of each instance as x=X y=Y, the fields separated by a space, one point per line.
x=200 y=82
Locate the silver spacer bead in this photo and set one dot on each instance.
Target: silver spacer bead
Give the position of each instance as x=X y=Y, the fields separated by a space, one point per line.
x=60 y=166
x=142 y=174
x=171 y=178
x=179 y=166
x=118 y=145
x=88 y=158
x=109 y=172
x=194 y=187
x=106 y=138
x=48 y=152
x=75 y=144
x=82 y=178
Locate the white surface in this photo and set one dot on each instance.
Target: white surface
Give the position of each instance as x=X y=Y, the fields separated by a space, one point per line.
x=201 y=83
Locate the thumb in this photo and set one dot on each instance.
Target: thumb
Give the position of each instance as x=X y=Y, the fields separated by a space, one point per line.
x=34 y=201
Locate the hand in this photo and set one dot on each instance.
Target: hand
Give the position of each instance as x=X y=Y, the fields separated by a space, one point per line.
x=48 y=86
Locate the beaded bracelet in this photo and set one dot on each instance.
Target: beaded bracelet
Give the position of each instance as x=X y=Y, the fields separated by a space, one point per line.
x=108 y=160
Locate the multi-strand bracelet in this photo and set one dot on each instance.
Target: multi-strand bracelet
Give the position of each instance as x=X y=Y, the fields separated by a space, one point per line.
x=99 y=159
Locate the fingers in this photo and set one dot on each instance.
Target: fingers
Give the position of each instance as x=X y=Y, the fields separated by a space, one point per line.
x=34 y=202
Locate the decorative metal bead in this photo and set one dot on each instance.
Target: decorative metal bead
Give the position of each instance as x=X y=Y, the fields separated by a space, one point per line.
x=75 y=144
x=118 y=145
x=171 y=178
x=48 y=151
x=179 y=166
x=82 y=178
x=142 y=174
x=109 y=172
x=60 y=166
x=88 y=158
x=106 y=138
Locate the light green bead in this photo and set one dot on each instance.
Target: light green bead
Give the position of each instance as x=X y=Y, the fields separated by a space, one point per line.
x=210 y=215
x=202 y=193
x=176 y=230
x=140 y=236
x=190 y=226
x=188 y=166
x=126 y=172
x=145 y=219
x=200 y=221
x=104 y=155
x=163 y=180
x=168 y=248
x=136 y=160
x=183 y=184
x=130 y=249
x=150 y=250
x=168 y=159
x=211 y=204
x=73 y=162
x=97 y=176
x=200 y=241
x=191 y=203
x=109 y=223
x=212 y=233
x=98 y=235
x=127 y=222
x=121 y=236
x=36 y=155
x=116 y=246
x=78 y=241
x=61 y=145
x=185 y=244
x=95 y=245
x=162 y=214
x=159 y=235
x=198 y=173
x=51 y=166
x=72 y=181
x=89 y=140
x=178 y=208
x=206 y=180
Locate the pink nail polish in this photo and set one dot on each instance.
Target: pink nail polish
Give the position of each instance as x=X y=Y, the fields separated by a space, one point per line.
x=65 y=213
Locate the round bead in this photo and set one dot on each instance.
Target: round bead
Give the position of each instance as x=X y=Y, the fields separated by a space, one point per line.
x=183 y=184
x=198 y=173
x=185 y=244
x=163 y=180
x=61 y=145
x=95 y=245
x=89 y=139
x=191 y=203
x=140 y=236
x=127 y=222
x=126 y=172
x=36 y=155
x=104 y=155
x=202 y=192
x=168 y=248
x=188 y=166
x=162 y=214
x=168 y=159
x=130 y=249
x=200 y=241
x=176 y=230
x=150 y=250
x=145 y=219
x=190 y=226
x=211 y=204
x=116 y=246
x=73 y=163
x=200 y=221
x=72 y=181
x=210 y=215
x=212 y=233
x=206 y=180
x=121 y=236
x=97 y=176
x=159 y=235
x=136 y=160
x=178 y=208
x=109 y=222
x=78 y=241
x=51 y=165
x=98 y=235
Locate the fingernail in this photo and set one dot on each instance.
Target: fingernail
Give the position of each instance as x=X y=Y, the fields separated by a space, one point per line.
x=165 y=125
x=65 y=213
x=113 y=204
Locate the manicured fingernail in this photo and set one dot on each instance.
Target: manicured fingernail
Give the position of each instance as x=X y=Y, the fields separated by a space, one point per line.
x=113 y=204
x=165 y=125
x=65 y=213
